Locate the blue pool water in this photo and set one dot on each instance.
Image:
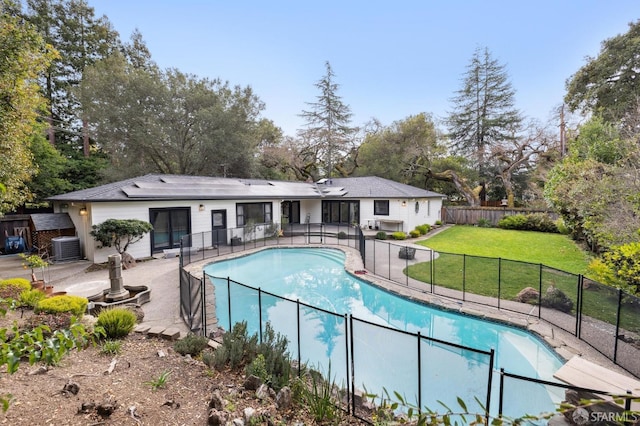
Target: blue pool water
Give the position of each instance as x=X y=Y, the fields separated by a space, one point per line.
x=383 y=359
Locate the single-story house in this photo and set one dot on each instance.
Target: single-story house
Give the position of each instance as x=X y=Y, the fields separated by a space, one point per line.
x=178 y=205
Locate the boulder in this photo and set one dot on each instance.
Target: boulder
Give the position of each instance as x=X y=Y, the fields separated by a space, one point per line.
x=284 y=398
x=528 y=295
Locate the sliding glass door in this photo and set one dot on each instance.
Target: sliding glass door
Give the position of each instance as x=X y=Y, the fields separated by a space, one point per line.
x=169 y=225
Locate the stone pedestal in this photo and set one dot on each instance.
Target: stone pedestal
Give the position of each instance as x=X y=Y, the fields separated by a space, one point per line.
x=117 y=290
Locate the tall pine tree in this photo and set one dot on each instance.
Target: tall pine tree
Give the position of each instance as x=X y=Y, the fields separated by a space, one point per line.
x=328 y=134
x=484 y=113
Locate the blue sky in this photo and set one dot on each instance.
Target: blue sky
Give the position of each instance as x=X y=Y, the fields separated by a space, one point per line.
x=392 y=59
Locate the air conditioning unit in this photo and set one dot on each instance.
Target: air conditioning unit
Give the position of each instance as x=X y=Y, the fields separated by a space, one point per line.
x=66 y=248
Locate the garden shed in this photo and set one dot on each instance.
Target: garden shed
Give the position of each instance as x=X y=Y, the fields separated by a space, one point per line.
x=47 y=226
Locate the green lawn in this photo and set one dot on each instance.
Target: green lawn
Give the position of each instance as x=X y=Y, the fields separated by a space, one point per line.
x=500 y=263
x=554 y=250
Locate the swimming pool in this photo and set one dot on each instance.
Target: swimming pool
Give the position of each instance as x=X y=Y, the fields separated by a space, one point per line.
x=382 y=358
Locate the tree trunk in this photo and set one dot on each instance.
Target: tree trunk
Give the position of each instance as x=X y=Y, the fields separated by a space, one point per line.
x=450 y=176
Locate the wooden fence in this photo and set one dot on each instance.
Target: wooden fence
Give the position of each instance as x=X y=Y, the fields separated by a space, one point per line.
x=472 y=215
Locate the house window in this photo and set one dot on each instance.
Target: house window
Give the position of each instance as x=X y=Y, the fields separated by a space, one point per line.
x=253 y=213
x=346 y=212
x=381 y=207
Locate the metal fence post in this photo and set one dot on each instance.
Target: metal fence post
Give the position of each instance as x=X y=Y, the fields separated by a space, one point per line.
x=579 y=304
x=419 y=373
x=464 y=277
x=501 y=392
x=489 y=380
x=540 y=291
x=298 y=322
x=431 y=268
x=260 y=313
x=229 y=299
x=353 y=374
x=499 y=280
x=615 y=345
x=203 y=301
x=346 y=359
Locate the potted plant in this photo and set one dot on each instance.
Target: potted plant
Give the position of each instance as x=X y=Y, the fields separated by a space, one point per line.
x=34 y=261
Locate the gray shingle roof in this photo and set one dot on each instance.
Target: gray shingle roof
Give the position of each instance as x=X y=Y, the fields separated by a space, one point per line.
x=180 y=187
x=51 y=221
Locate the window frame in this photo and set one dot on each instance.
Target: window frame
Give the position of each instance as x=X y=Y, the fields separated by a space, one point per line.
x=381 y=212
x=241 y=213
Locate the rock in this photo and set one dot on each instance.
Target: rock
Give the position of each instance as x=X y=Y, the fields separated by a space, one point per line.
x=128 y=261
x=136 y=309
x=554 y=298
x=249 y=413
x=252 y=382
x=217 y=418
x=106 y=409
x=86 y=407
x=263 y=392
x=284 y=399
x=217 y=401
x=237 y=422
x=161 y=354
x=528 y=295
x=171 y=403
x=70 y=388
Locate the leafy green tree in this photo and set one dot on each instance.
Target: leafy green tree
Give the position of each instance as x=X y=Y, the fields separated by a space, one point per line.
x=81 y=39
x=609 y=84
x=51 y=166
x=120 y=233
x=484 y=113
x=403 y=151
x=187 y=125
x=623 y=264
x=595 y=187
x=23 y=55
x=327 y=137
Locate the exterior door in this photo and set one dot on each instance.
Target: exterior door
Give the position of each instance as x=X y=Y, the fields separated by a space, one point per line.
x=290 y=212
x=218 y=227
x=169 y=225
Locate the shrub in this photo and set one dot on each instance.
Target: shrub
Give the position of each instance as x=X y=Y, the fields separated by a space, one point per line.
x=31 y=298
x=423 y=229
x=414 y=233
x=12 y=288
x=23 y=283
x=528 y=222
x=116 y=322
x=61 y=321
x=562 y=227
x=484 y=223
x=191 y=344
x=342 y=235
x=381 y=235
x=57 y=304
x=399 y=235
x=111 y=347
x=237 y=347
x=269 y=359
x=276 y=357
x=258 y=368
x=209 y=358
x=438 y=222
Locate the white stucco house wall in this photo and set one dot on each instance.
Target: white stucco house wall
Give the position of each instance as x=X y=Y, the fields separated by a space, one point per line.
x=178 y=205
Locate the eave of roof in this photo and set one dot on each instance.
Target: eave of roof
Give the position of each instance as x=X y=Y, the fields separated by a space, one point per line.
x=156 y=187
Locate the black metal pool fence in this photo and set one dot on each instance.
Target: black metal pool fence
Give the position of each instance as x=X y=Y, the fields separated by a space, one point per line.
x=606 y=318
